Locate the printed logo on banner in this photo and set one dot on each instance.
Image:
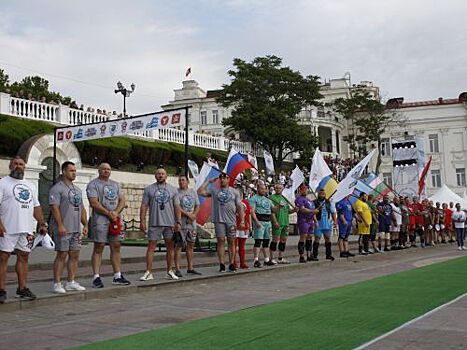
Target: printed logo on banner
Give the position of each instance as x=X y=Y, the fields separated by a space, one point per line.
x=113 y=129
x=164 y=120
x=78 y=135
x=60 y=136
x=137 y=124
x=154 y=123
x=68 y=135
x=90 y=132
x=176 y=118
x=355 y=175
x=124 y=125
x=103 y=128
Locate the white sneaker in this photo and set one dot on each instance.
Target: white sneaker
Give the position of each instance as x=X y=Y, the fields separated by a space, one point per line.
x=284 y=261
x=58 y=289
x=147 y=276
x=73 y=285
x=459 y=248
x=463 y=247
x=171 y=275
x=274 y=261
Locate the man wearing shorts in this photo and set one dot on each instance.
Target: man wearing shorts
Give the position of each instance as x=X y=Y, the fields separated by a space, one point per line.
x=404 y=223
x=243 y=230
x=364 y=219
x=262 y=218
x=189 y=207
x=280 y=232
x=226 y=204
x=68 y=214
x=447 y=221
x=162 y=201
x=374 y=224
x=325 y=218
x=107 y=203
x=385 y=219
x=305 y=221
x=18 y=206
x=344 y=221
x=396 y=222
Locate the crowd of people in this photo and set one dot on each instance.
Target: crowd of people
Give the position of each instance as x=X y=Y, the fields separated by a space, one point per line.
x=237 y=212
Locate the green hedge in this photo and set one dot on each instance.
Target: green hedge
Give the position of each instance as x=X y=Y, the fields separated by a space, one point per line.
x=15 y=131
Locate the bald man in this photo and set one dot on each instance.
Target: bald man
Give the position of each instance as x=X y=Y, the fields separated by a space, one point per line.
x=162 y=201
x=107 y=203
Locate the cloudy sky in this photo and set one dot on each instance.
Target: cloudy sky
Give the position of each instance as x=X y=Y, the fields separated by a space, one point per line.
x=412 y=48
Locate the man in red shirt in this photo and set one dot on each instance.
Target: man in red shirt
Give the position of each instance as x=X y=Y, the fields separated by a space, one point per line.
x=243 y=231
x=412 y=207
x=448 y=227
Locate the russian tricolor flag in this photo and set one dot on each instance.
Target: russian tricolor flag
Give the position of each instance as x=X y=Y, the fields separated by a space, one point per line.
x=207 y=172
x=236 y=164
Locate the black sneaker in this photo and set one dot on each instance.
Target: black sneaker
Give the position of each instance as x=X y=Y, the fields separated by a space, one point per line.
x=232 y=268
x=269 y=263
x=386 y=249
x=363 y=253
x=193 y=272
x=309 y=258
x=221 y=268
x=25 y=294
x=314 y=258
x=122 y=281
x=97 y=283
x=350 y=255
x=330 y=257
x=2 y=296
x=302 y=259
x=344 y=255
x=178 y=273
x=257 y=264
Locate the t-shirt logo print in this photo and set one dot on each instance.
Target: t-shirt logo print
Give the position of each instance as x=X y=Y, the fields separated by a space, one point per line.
x=223 y=196
x=162 y=196
x=22 y=193
x=188 y=203
x=74 y=198
x=110 y=193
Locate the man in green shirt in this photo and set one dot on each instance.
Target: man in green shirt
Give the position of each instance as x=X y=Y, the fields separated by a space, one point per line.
x=280 y=231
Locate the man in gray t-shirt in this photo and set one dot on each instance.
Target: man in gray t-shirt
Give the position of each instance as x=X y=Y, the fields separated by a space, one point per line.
x=107 y=203
x=226 y=203
x=189 y=205
x=162 y=202
x=68 y=214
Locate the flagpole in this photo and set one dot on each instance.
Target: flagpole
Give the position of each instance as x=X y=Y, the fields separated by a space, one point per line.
x=186 y=141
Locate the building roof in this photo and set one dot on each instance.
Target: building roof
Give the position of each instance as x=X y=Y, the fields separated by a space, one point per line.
x=398 y=102
x=213 y=93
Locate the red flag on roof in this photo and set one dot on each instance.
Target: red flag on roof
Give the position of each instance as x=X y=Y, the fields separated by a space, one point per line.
x=188 y=72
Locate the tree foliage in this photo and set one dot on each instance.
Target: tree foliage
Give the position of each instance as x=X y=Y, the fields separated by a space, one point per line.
x=266 y=98
x=369 y=119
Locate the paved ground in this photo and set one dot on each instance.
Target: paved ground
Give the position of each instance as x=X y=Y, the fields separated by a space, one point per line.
x=94 y=315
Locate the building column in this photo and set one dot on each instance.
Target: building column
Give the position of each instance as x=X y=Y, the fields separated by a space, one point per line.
x=333 y=141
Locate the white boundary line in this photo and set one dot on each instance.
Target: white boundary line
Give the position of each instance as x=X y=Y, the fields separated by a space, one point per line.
x=371 y=342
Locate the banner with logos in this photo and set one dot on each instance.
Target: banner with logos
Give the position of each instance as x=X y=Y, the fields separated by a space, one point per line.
x=121 y=127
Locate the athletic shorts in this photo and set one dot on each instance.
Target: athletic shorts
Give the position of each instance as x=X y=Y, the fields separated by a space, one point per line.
x=223 y=229
x=282 y=231
x=383 y=228
x=384 y=235
x=372 y=236
x=100 y=234
x=344 y=231
x=326 y=233
x=394 y=228
x=188 y=235
x=305 y=228
x=68 y=242
x=264 y=231
x=242 y=234
x=15 y=241
x=157 y=233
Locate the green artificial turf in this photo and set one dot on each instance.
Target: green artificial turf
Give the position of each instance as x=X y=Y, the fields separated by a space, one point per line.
x=339 y=318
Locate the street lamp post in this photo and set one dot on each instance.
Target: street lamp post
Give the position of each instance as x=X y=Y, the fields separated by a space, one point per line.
x=126 y=93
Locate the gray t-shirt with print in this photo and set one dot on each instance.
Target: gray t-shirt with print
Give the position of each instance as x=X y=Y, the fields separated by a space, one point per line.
x=224 y=204
x=107 y=193
x=161 y=200
x=70 y=201
x=188 y=201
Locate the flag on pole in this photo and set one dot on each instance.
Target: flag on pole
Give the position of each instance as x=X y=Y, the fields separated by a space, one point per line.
x=319 y=170
x=269 y=163
x=236 y=164
x=297 y=179
x=252 y=159
x=188 y=72
x=193 y=169
x=206 y=173
x=421 y=182
x=349 y=183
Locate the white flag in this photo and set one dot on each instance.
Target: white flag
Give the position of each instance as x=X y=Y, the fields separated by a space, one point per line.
x=269 y=163
x=297 y=179
x=319 y=170
x=254 y=162
x=193 y=168
x=348 y=185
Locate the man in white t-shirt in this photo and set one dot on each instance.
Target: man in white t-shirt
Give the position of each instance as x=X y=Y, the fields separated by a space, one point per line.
x=458 y=218
x=19 y=204
x=394 y=227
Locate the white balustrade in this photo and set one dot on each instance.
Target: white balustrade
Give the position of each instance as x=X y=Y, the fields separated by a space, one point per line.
x=77 y=116
x=33 y=109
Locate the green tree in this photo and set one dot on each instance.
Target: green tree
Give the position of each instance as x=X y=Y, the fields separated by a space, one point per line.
x=266 y=98
x=4 y=80
x=369 y=118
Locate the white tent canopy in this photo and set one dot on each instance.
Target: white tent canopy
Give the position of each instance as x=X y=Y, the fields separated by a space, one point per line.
x=446 y=195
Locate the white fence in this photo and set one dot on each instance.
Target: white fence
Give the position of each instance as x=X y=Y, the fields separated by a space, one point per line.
x=64 y=115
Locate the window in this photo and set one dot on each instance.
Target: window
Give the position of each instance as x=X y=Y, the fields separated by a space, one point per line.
x=436 y=178
x=434 y=144
x=460 y=174
x=387 y=178
x=215 y=117
x=204 y=118
x=385 y=147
